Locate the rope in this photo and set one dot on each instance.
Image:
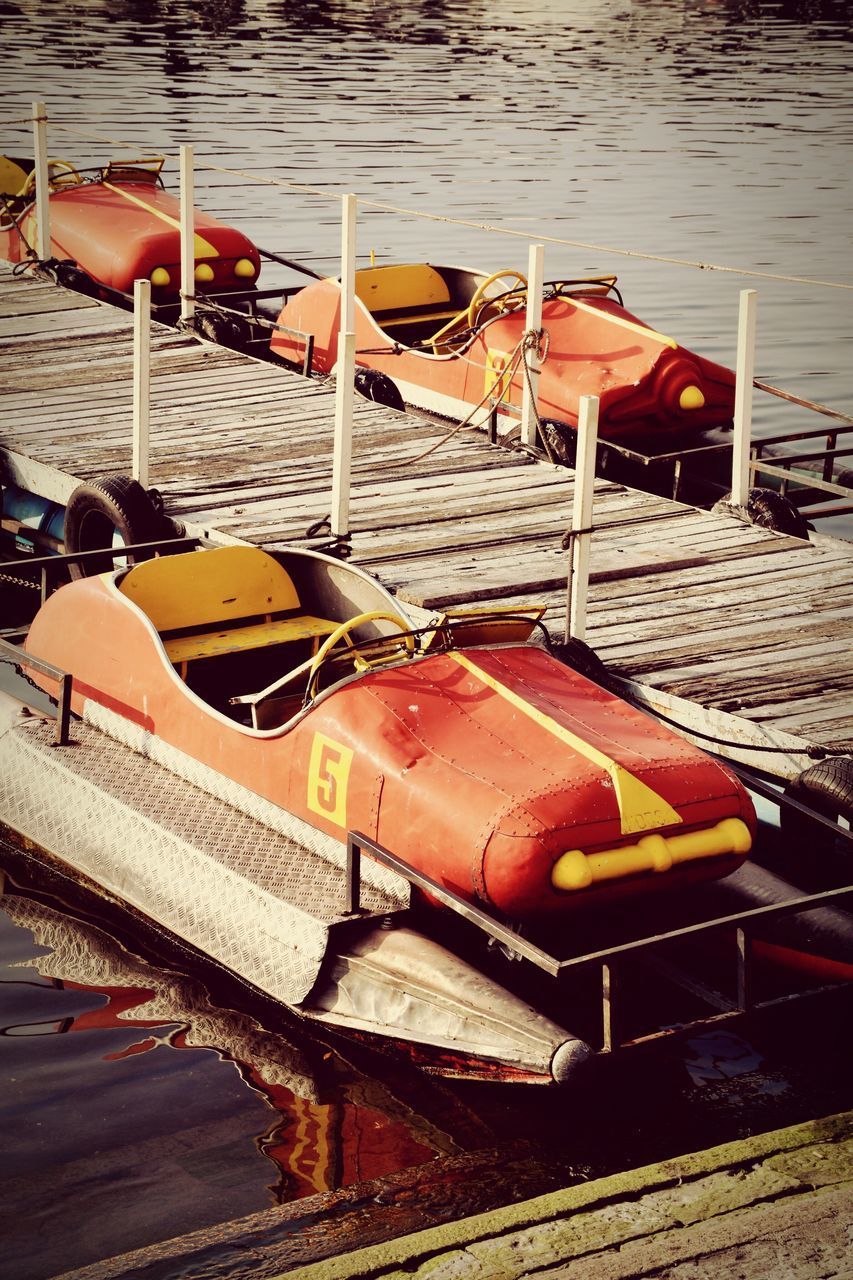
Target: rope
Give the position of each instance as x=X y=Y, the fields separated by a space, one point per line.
x=804 y=404
x=102 y=137
x=25 y=120
x=526 y=235
x=381 y=205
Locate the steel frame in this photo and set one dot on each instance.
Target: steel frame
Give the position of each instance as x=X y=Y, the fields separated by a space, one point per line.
x=608 y=959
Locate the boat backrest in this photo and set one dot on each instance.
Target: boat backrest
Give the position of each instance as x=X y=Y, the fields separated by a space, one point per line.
x=13 y=176
x=199 y=588
x=397 y=287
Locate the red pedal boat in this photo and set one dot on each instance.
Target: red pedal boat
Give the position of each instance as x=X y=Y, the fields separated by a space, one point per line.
x=449 y=340
x=470 y=752
x=116 y=225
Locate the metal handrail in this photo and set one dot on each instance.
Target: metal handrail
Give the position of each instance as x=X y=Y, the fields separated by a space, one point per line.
x=45 y=565
x=604 y=958
x=64 y=680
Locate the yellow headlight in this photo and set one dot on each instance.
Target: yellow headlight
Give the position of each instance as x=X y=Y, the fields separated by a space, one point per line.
x=244 y=269
x=204 y=273
x=691 y=398
x=160 y=277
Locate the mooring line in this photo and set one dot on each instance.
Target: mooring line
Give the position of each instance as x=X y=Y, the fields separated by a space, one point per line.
x=305 y=189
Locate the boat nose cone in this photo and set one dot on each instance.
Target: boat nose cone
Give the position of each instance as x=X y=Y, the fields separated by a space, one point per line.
x=691 y=398
x=569 y=1059
x=679 y=387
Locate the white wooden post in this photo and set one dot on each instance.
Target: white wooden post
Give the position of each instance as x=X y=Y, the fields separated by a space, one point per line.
x=535 y=285
x=141 y=378
x=42 y=181
x=344 y=374
x=578 y=573
x=187 y=235
x=745 y=374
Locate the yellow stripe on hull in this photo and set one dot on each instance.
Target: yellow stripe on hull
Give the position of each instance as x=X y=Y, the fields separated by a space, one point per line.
x=640 y=808
x=201 y=248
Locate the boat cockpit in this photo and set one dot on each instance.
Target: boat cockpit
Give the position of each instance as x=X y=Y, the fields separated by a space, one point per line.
x=438 y=309
x=258 y=636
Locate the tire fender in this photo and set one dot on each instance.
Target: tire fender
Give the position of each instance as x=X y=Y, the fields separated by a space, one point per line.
x=102 y=510
x=768 y=510
x=375 y=385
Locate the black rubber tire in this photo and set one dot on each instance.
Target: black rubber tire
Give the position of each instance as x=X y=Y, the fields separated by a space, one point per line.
x=375 y=385
x=562 y=441
x=70 y=276
x=826 y=787
x=225 y=331
x=98 y=510
x=581 y=658
x=771 y=510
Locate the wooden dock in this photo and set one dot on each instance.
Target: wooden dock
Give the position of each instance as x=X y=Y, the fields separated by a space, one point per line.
x=753 y=629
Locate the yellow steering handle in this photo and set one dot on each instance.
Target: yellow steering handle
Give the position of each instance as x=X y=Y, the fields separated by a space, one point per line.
x=343 y=633
x=60 y=174
x=474 y=304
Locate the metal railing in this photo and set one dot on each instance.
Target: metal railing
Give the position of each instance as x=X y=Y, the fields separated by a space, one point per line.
x=607 y=959
x=48 y=567
x=63 y=679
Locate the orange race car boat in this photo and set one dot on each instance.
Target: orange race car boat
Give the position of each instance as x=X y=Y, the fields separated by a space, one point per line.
x=452 y=341
x=117 y=224
x=471 y=753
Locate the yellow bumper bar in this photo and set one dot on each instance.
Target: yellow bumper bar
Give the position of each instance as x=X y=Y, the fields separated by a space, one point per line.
x=577 y=870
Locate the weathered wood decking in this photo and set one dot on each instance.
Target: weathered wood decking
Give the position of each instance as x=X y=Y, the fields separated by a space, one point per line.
x=694 y=604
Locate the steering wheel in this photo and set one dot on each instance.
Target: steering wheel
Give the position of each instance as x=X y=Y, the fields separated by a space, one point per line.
x=395 y=645
x=474 y=304
x=441 y=338
x=59 y=174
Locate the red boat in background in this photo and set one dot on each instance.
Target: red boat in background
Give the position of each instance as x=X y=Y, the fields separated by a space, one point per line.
x=451 y=340
x=115 y=225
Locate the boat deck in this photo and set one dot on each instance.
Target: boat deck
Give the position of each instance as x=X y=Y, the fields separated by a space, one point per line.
x=686 y=604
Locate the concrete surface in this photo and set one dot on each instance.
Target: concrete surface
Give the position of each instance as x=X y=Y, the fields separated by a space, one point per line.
x=773 y=1206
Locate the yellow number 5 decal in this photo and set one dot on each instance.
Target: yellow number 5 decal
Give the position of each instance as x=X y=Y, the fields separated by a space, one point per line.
x=328 y=778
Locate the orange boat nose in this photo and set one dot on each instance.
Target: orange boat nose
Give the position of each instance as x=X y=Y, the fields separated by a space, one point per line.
x=679 y=387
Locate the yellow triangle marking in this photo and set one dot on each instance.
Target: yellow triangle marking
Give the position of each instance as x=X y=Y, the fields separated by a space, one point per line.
x=642 y=329
x=201 y=249
x=640 y=808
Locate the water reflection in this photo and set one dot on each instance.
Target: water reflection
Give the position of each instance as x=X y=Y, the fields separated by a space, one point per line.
x=122 y=1078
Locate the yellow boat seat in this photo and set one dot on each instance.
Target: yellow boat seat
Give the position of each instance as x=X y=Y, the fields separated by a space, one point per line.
x=206 y=588
x=206 y=591
x=401 y=287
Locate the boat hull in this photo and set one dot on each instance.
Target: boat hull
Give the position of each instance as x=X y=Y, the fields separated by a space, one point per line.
x=646 y=382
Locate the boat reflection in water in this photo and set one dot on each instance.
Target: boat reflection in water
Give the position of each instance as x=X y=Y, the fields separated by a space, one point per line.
x=330 y=1127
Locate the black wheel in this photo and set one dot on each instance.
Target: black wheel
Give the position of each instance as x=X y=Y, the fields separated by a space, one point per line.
x=771 y=510
x=826 y=787
x=375 y=385
x=71 y=276
x=225 y=331
x=108 y=513
x=581 y=658
x=561 y=440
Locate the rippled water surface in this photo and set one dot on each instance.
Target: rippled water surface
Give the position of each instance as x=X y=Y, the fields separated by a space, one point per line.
x=716 y=131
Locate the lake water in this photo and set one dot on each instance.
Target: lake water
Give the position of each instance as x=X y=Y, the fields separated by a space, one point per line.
x=715 y=131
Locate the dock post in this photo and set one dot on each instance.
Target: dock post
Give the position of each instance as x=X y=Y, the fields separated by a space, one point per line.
x=533 y=323
x=141 y=378
x=42 y=181
x=745 y=373
x=187 y=236
x=577 y=584
x=344 y=374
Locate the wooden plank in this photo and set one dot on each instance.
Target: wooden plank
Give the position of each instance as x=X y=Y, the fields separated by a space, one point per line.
x=694 y=602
